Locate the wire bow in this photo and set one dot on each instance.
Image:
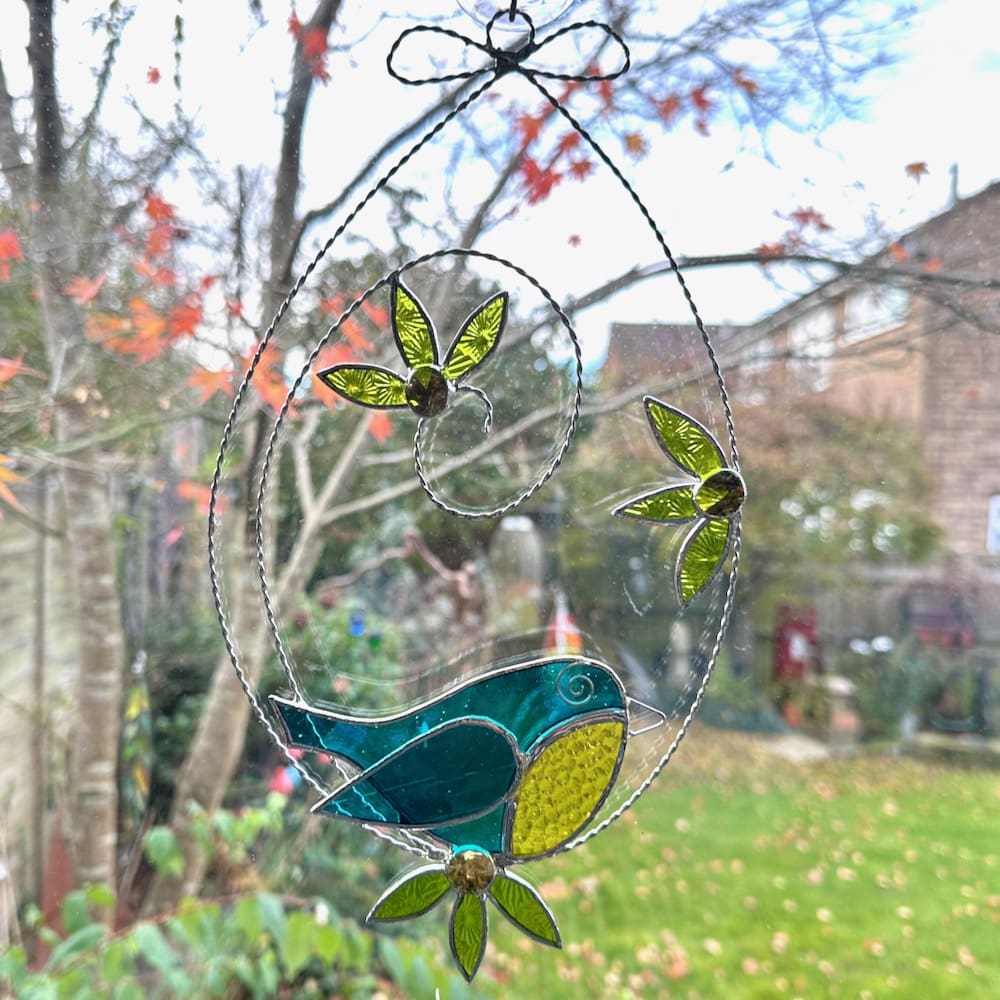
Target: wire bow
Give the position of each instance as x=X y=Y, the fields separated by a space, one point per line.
x=505 y=61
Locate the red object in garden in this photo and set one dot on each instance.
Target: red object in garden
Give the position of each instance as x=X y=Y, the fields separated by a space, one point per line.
x=796 y=647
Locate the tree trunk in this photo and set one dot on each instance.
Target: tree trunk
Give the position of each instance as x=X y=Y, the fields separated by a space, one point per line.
x=88 y=516
x=218 y=743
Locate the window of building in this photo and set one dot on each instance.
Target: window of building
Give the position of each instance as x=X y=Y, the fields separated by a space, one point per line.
x=810 y=342
x=871 y=311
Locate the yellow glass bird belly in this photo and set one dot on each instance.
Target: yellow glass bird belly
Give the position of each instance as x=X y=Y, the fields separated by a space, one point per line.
x=564 y=787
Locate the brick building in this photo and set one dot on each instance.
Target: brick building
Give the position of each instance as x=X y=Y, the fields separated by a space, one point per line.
x=912 y=337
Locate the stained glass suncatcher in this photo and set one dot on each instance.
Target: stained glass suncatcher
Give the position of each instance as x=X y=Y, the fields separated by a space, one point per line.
x=492 y=744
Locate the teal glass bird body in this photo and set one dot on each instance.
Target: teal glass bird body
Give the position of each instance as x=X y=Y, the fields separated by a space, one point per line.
x=488 y=764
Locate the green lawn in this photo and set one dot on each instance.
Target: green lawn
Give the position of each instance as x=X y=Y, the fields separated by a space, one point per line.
x=742 y=875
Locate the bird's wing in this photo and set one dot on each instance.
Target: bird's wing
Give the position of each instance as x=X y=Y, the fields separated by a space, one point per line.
x=566 y=780
x=453 y=773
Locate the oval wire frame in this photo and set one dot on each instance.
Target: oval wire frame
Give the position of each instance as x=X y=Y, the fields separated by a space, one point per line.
x=505 y=62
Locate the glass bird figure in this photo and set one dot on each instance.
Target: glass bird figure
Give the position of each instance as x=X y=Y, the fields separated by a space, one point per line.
x=504 y=768
x=711 y=502
x=429 y=384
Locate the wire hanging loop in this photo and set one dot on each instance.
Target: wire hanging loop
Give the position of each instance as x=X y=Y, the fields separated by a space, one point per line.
x=513 y=11
x=519 y=59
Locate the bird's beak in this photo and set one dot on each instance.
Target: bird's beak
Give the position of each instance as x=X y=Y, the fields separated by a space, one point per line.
x=643 y=718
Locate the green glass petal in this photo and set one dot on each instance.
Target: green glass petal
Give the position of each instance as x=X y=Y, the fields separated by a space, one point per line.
x=368 y=385
x=468 y=933
x=412 y=328
x=412 y=894
x=686 y=442
x=519 y=902
x=478 y=337
x=700 y=557
x=674 y=505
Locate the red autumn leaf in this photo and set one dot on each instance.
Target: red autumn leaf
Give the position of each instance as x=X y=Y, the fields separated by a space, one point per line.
x=898 y=252
x=160 y=239
x=269 y=378
x=185 y=317
x=568 y=142
x=8 y=475
x=209 y=382
x=916 y=170
x=933 y=265
x=334 y=305
x=9 y=367
x=380 y=426
x=10 y=249
x=234 y=308
x=606 y=92
x=635 y=145
x=272 y=389
x=581 y=169
x=529 y=127
x=159 y=210
x=201 y=496
x=770 y=250
x=699 y=98
x=538 y=180
x=160 y=277
x=804 y=217
x=152 y=75
x=355 y=337
x=84 y=292
x=748 y=85
x=668 y=107
x=701 y=126
x=575 y=240
x=378 y=316
x=294 y=26
x=107 y=329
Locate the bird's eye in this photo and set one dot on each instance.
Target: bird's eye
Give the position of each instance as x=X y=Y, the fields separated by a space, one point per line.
x=575 y=685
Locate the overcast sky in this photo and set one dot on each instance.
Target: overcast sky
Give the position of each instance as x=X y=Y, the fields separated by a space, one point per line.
x=937 y=105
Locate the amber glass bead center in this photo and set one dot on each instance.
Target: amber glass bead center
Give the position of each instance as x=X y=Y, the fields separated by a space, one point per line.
x=427 y=391
x=471 y=871
x=721 y=494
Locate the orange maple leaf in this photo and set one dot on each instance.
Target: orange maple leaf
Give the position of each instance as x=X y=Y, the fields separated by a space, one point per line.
x=355 y=337
x=635 y=145
x=898 y=252
x=201 y=496
x=377 y=315
x=380 y=426
x=8 y=475
x=916 y=170
x=744 y=82
x=161 y=277
x=82 y=291
x=9 y=367
x=160 y=239
x=185 y=317
x=209 y=382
